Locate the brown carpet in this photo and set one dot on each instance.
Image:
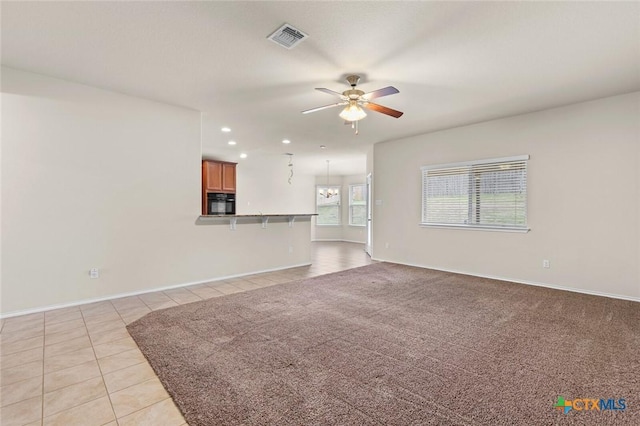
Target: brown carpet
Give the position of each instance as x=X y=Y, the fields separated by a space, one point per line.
x=387 y=344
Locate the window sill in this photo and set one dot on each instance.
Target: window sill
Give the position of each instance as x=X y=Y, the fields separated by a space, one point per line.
x=477 y=228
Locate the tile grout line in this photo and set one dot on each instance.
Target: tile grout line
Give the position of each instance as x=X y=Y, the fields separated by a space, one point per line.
x=44 y=346
x=181 y=303
x=98 y=363
x=155 y=376
x=187 y=288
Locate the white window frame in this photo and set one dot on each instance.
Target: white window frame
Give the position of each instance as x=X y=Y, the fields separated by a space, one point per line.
x=351 y=204
x=478 y=169
x=339 y=205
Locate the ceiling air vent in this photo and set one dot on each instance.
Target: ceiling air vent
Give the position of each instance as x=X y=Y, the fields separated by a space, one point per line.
x=287 y=36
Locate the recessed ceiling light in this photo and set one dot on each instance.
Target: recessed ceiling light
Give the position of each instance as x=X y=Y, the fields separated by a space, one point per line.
x=243 y=155
x=226 y=129
x=323 y=147
x=286 y=141
x=231 y=142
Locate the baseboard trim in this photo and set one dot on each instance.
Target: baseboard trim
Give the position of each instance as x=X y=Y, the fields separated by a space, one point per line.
x=137 y=293
x=534 y=283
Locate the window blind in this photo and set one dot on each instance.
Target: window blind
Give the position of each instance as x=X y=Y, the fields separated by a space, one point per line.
x=479 y=194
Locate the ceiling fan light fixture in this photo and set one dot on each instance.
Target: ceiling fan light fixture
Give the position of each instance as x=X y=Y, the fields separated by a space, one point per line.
x=354 y=99
x=353 y=112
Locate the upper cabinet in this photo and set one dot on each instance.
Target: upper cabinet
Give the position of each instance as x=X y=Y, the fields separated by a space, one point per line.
x=229 y=177
x=218 y=176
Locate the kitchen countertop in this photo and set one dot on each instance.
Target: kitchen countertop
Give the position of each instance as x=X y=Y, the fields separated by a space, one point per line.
x=258 y=215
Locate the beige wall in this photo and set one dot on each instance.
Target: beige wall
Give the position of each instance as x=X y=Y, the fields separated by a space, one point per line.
x=92 y=178
x=263 y=187
x=344 y=232
x=583 y=199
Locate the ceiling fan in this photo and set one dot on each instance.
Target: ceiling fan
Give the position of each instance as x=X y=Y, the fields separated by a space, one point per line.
x=354 y=100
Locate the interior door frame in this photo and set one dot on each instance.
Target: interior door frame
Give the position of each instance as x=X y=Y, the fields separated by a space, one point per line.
x=369 y=245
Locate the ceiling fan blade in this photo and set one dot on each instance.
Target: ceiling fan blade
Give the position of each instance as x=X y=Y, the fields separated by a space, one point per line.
x=323 y=107
x=382 y=109
x=331 y=92
x=385 y=91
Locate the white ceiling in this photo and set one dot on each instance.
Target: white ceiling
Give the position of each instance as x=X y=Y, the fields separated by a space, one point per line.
x=454 y=63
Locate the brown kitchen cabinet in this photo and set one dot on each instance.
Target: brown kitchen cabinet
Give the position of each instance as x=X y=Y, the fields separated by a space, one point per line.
x=219 y=176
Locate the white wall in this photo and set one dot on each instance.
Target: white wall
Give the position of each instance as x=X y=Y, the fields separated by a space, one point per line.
x=92 y=178
x=263 y=187
x=583 y=200
x=343 y=232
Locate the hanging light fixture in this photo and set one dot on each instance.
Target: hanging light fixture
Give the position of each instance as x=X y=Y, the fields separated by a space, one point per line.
x=290 y=165
x=353 y=112
x=328 y=193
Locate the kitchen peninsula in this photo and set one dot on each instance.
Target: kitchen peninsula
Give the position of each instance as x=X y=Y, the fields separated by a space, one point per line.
x=219 y=203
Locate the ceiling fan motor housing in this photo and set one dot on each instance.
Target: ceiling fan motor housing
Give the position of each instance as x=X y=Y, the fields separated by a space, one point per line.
x=353 y=93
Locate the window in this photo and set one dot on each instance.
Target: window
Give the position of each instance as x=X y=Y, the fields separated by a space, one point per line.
x=328 y=205
x=357 y=205
x=489 y=194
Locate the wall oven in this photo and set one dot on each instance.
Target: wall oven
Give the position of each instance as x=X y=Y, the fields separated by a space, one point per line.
x=219 y=204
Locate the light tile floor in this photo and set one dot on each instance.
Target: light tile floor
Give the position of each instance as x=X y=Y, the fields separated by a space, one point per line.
x=79 y=366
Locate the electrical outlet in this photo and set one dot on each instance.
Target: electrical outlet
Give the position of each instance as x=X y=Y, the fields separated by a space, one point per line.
x=546 y=264
x=94 y=273
x=290 y=249
x=386 y=245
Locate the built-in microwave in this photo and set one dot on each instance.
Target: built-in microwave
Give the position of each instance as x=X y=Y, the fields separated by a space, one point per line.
x=218 y=203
